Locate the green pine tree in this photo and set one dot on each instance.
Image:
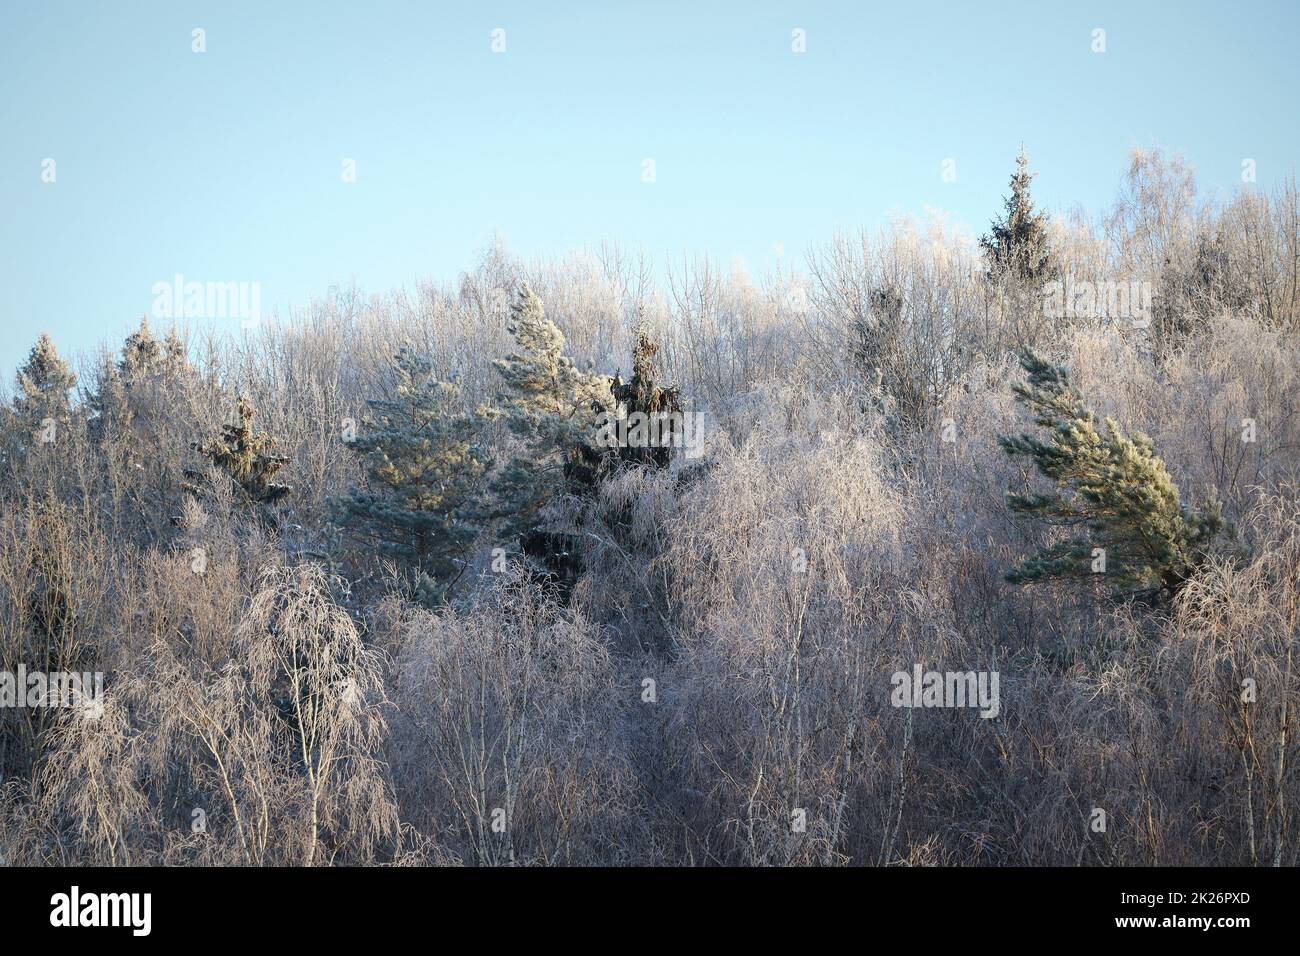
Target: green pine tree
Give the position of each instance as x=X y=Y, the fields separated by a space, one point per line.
x=1110 y=492
x=424 y=473
x=1017 y=246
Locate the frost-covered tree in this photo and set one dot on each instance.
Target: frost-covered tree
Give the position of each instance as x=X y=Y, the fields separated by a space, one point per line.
x=247 y=458
x=553 y=408
x=1110 y=492
x=424 y=472
x=1017 y=245
x=1196 y=292
x=137 y=393
x=577 y=429
x=642 y=399
x=41 y=406
x=141 y=414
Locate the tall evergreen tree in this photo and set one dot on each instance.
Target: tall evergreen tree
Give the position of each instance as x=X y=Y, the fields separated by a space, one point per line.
x=554 y=409
x=425 y=470
x=1113 y=493
x=135 y=394
x=576 y=429
x=36 y=437
x=141 y=413
x=41 y=397
x=1017 y=245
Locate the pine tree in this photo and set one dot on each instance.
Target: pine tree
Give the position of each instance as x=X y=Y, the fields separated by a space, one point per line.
x=554 y=409
x=1113 y=493
x=41 y=406
x=576 y=429
x=247 y=458
x=424 y=470
x=1018 y=245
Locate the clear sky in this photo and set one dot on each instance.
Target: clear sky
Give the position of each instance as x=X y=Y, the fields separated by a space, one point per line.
x=226 y=166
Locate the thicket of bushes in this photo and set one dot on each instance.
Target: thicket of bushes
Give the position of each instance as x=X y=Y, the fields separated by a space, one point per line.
x=330 y=637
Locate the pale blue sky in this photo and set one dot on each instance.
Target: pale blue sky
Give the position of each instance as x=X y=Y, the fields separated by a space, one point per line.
x=225 y=166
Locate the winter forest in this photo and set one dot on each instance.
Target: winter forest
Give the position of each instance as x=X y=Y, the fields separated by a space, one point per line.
x=925 y=549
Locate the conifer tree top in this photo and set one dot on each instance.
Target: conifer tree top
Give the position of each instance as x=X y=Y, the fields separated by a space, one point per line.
x=45 y=371
x=539 y=378
x=43 y=383
x=1017 y=245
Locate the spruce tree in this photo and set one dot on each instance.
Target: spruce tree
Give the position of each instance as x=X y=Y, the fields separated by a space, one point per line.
x=1109 y=491
x=41 y=405
x=141 y=411
x=135 y=395
x=36 y=437
x=246 y=457
x=424 y=472
x=1017 y=246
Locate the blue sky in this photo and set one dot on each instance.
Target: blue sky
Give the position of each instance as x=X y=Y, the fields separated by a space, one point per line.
x=226 y=165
